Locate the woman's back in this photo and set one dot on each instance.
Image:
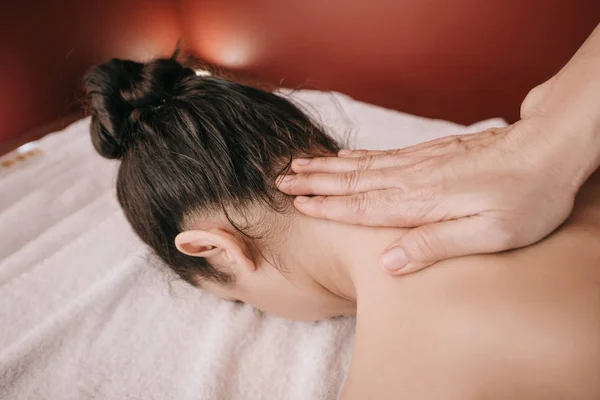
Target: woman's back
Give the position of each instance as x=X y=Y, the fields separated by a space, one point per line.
x=522 y=324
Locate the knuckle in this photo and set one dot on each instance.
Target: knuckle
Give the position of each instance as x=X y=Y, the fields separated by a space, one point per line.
x=494 y=131
x=427 y=246
x=447 y=139
x=349 y=180
x=364 y=162
x=458 y=143
x=490 y=132
x=358 y=204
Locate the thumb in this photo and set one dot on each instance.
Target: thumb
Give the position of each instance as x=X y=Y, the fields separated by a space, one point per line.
x=427 y=244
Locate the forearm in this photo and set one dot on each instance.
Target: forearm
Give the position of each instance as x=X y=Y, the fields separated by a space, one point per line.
x=566 y=114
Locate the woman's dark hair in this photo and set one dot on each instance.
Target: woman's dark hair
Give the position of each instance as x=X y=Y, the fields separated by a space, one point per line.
x=192 y=144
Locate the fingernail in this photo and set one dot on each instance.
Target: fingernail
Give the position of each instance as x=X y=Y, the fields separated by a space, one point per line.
x=344 y=152
x=394 y=259
x=301 y=199
x=302 y=161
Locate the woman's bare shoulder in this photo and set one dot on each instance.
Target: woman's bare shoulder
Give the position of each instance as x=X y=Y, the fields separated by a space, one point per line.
x=480 y=345
x=522 y=324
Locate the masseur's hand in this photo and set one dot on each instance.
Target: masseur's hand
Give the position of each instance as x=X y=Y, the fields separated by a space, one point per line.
x=481 y=193
x=478 y=193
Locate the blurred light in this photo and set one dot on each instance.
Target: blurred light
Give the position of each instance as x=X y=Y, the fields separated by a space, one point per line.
x=236 y=53
x=201 y=72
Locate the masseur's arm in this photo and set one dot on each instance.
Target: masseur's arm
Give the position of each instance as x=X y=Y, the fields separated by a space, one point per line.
x=482 y=193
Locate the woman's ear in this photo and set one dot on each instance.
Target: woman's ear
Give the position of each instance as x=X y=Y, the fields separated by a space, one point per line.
x=217 y=246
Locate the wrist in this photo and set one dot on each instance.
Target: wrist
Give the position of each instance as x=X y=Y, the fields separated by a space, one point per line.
x=565 y=115
x=564 y=145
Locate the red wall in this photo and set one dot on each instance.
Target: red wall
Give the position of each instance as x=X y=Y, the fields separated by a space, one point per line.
x=461 y=60
x=48 y=45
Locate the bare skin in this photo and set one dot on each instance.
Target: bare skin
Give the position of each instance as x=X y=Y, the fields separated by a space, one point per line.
x=521 y=324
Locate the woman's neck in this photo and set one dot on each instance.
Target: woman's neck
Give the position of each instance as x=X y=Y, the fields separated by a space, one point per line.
x=341 y=258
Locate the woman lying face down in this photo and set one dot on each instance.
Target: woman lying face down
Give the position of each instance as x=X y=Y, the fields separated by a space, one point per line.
x=199 y=160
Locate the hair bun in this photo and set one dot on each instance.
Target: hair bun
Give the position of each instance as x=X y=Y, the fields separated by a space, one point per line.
x=118 y=87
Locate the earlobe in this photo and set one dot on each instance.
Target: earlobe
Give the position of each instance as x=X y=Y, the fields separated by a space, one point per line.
x=217 y=245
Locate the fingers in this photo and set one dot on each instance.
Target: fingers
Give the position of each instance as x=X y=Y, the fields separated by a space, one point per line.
x=336 y=184
x=360 y=153
x=359 y=208
x=361 y=160
x=354 y=209
x=405 y=150
x=427 y=244
x=443 y=141
x=346 y=164
x=390 y=208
